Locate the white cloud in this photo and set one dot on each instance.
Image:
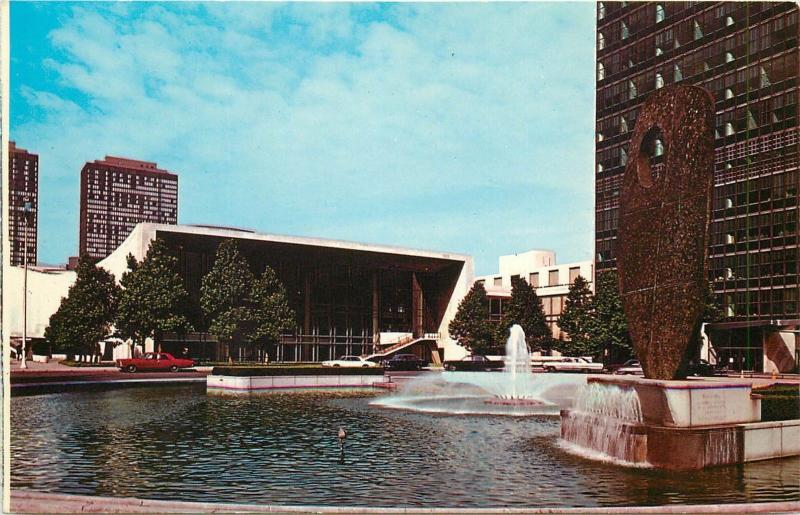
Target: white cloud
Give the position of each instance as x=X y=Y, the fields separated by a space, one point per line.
x=303 y=116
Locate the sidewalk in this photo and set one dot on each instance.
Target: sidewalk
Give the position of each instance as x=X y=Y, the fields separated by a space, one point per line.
x=54 y=373
x=28 y=501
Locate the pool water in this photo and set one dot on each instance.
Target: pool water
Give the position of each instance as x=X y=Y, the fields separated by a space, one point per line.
x=177 y=443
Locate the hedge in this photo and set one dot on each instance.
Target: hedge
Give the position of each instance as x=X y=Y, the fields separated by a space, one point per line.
x=780 y=402
x=296 y=371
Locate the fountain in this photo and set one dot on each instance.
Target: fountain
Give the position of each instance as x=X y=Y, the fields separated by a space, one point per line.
x=516 y=391
x=661 y=420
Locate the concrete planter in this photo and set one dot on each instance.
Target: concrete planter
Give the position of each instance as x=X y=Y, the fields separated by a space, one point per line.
x=256 y=384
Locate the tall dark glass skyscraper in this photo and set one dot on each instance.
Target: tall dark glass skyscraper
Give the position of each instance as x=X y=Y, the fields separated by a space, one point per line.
x=746 y=55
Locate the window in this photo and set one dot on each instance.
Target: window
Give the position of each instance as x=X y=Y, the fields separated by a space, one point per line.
x=574 y=272
x=552 y=278
x=623 y=30
x=678 y=75
x=729 y=57
x=601 y=71
x=660 y=14
x=751 y=121
x=623 y=157
x=659 y=81
x=631 y=90
x=698 y=32
x=623 y=125
x=533 y=279
x=498 y=281
x=729 y=129
x=728 y=21
x=601 y=41
x=659 y=148
x=601 y=10
x=600 y=137
x=763 y=78
x=728 y=93
x=659 y=51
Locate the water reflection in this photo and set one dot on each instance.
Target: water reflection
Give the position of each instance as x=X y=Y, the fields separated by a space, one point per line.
x=177 y=443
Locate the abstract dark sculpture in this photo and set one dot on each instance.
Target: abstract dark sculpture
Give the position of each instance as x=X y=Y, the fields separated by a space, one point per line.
x=663 y=229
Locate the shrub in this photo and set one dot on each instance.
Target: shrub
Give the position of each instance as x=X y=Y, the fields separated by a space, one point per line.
x=295 y=371
x=780 y=402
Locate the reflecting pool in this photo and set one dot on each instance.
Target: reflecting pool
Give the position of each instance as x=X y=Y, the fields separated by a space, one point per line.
x=177 y=443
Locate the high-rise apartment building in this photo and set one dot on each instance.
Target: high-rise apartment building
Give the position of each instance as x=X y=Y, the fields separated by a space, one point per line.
x=23 y=187
x=117 y=194
x=746 y=55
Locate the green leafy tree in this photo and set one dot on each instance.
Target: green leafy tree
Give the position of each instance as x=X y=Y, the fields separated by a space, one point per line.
x=609 y=328
x=577 y=320
x=525 y=309
x=270 y=314
x=153 y=298
x=470 y=326
x=85 y=315
x=225 y=294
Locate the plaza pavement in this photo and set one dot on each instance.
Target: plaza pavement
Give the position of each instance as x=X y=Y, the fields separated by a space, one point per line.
x=28 y=501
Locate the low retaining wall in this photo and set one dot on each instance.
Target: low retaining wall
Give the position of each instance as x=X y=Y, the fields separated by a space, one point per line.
x=248 y=384
x=682 y=448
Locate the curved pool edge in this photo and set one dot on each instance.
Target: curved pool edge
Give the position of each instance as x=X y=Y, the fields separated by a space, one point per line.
x=31 y=501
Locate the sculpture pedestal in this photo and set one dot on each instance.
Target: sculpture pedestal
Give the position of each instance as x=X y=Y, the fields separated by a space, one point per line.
x=682 y=425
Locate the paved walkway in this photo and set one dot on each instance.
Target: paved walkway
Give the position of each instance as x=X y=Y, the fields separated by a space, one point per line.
x=26 y=501
x=54 y=373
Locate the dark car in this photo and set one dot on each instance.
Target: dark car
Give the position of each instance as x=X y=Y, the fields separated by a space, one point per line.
x=475 y=362
x=404 y=362
x=700 y=368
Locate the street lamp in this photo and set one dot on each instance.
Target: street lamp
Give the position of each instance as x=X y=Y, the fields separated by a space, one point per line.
x=27 y=209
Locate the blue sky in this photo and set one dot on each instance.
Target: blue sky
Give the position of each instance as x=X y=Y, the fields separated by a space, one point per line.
x=455 y=127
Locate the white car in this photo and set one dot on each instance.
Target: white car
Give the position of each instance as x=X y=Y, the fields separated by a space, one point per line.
x=573 y=365
x=349 y=361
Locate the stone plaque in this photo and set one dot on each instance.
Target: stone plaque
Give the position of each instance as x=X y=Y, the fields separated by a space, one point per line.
x=665 y=208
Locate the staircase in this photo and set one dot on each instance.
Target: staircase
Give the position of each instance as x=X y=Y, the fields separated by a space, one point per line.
x=402 y=344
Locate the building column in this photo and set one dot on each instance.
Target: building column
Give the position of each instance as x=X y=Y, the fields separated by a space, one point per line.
x=306 y=303
x=417 y=322
x=376 y=309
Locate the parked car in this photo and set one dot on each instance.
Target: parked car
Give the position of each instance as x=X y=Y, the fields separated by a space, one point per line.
x=568 y=364
x=349 y=361
x=404 y=362
x=630 y=367
x=701 y=368
x=475 y=362
x=154 y=361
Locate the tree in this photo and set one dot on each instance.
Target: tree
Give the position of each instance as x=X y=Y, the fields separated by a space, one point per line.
x=609 y=327
x=153 y=299
x=471 y=327
x=525 y=309
x=577 y=319
x=85 y=315
x=225 y=292
x=270 y=314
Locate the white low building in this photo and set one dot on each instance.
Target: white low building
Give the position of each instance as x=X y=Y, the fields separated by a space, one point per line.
x=539 y=269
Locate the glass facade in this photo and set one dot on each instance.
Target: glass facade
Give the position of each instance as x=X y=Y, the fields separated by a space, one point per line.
x=342 y=299
x=746 y=55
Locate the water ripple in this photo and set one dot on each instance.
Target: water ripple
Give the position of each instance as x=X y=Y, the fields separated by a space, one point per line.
x=177 y=443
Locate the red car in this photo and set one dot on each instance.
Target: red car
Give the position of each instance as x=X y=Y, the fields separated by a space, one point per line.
x=154 y=361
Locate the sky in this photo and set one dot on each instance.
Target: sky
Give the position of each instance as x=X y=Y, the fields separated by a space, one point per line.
x=456 y=127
